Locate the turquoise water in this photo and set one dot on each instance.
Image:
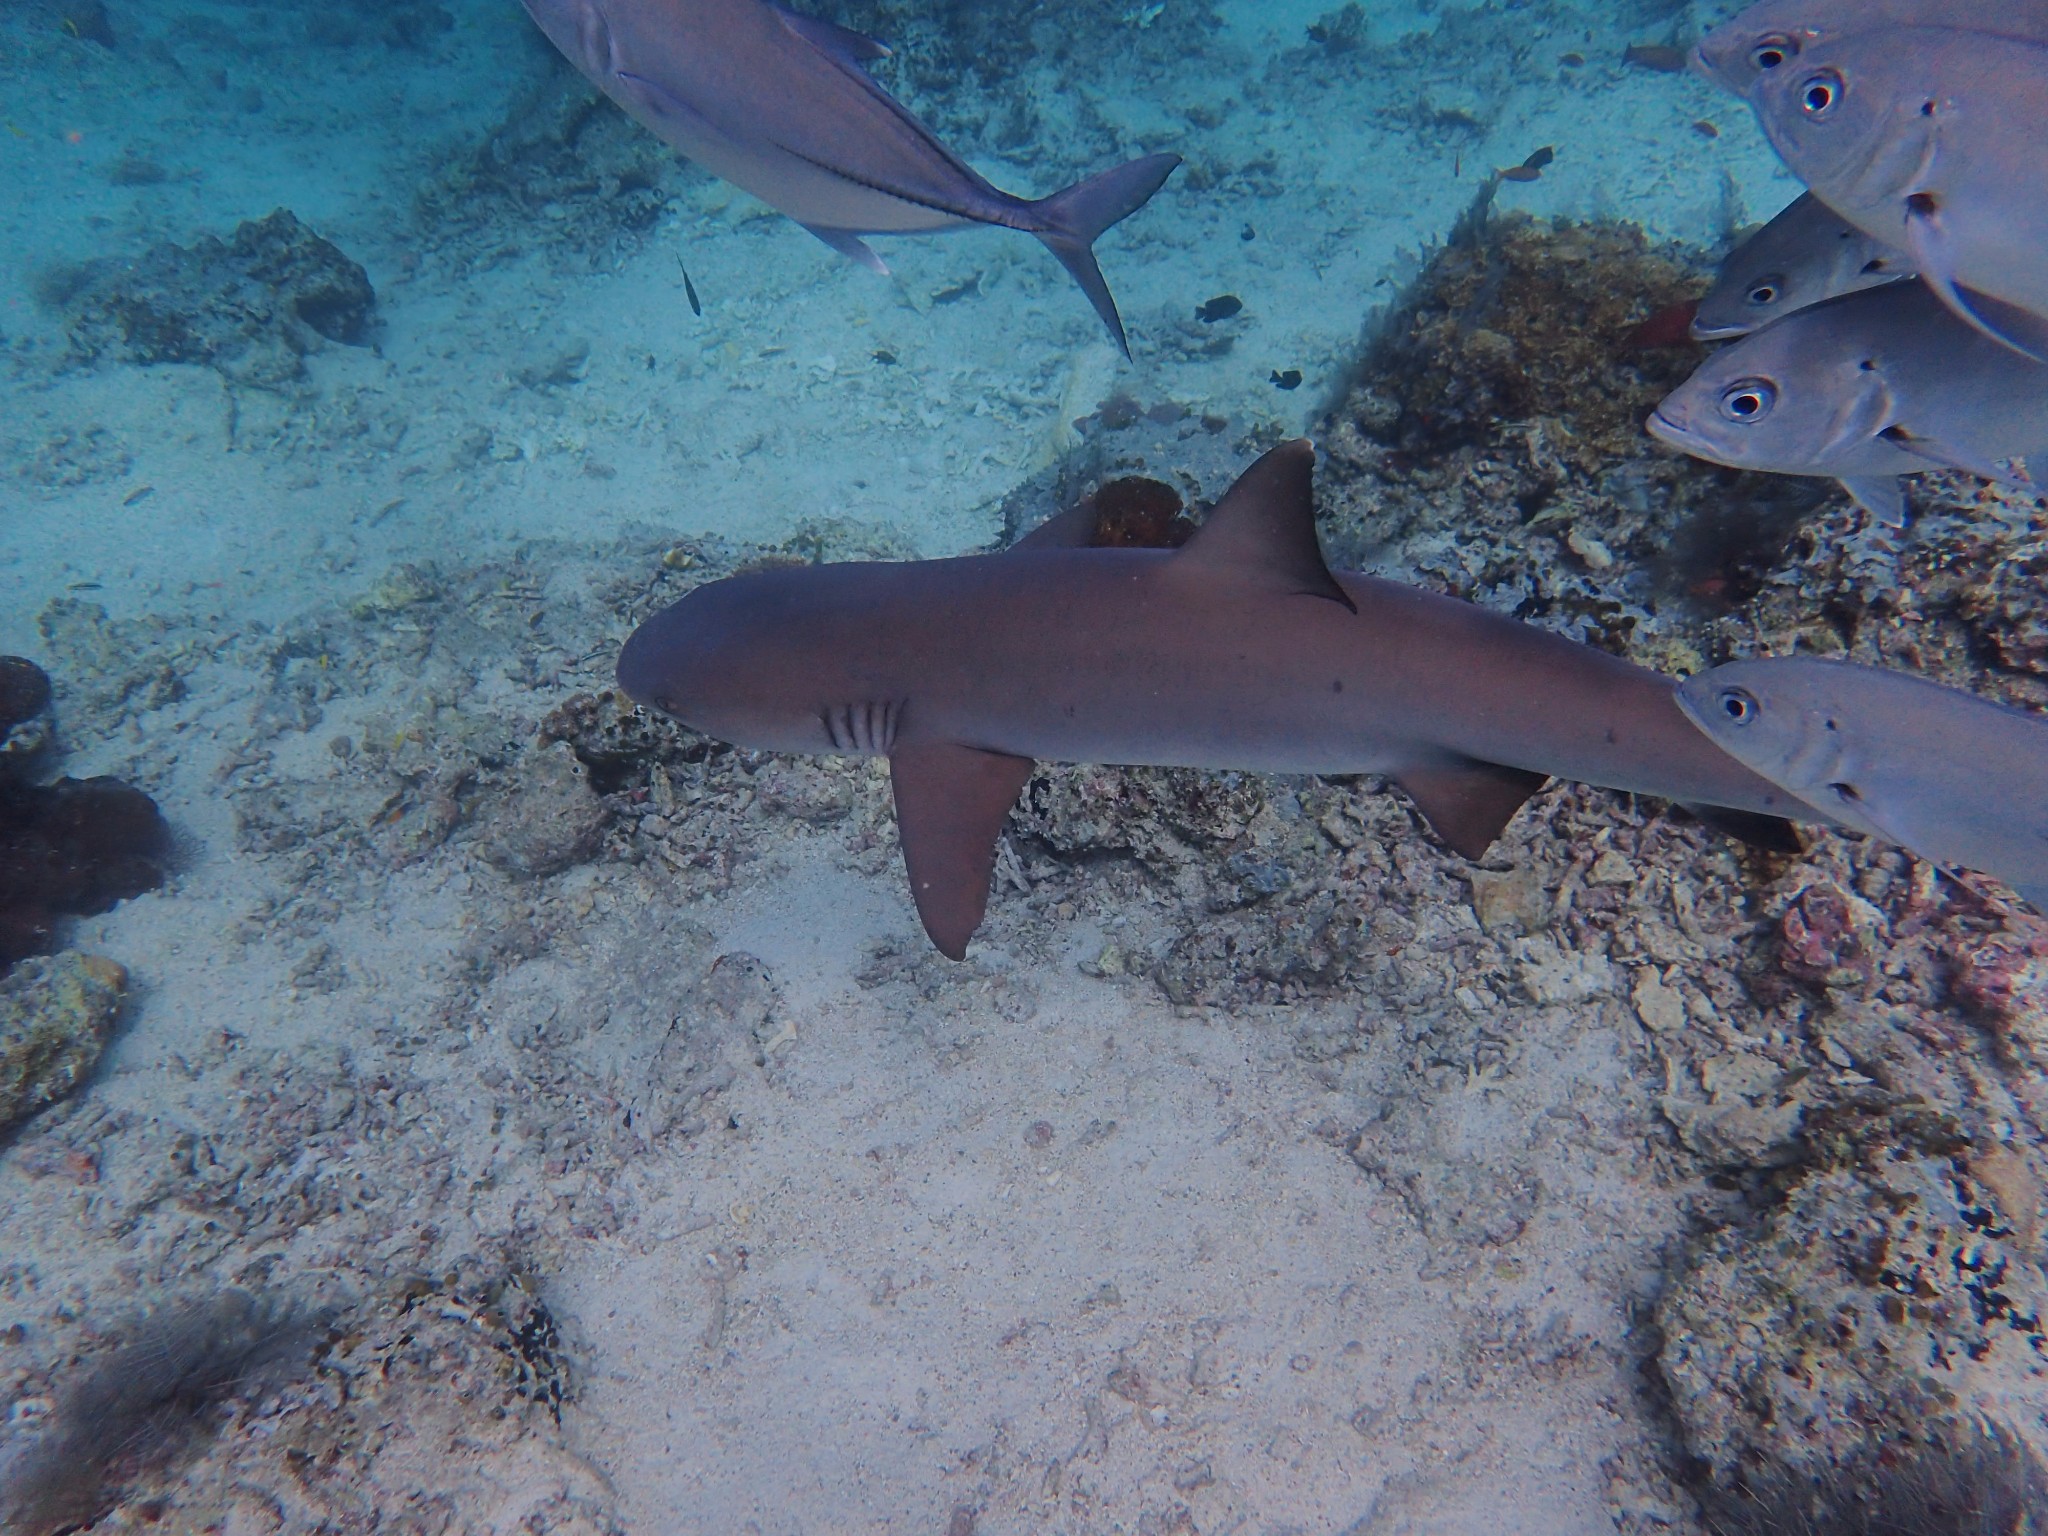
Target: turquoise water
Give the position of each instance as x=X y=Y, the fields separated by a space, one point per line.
x=605 y=1144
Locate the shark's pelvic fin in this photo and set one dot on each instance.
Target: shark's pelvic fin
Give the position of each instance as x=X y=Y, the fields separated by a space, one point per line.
x=950 y=805
x=1264 y=529
x=1773 y=834
x=1467 y=803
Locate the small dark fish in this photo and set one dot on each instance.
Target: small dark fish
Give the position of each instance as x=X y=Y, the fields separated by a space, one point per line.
x=885 y=357
x=690 y=290
x=1706 y=129
x=1222 y=307
x=140 y=493
x=1661 y=57
x=1573 y=61
x=1288 y=378
x=1540 y=159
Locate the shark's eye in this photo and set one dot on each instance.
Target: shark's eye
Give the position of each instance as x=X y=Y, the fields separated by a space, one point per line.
x=1738 y=706
x=1748 y=400
x=665 y=704
x=1764 y=292
x=1772 y=51
x=1817 y=97
x=1845 y=792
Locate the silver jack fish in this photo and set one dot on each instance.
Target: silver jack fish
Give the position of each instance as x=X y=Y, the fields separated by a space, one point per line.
x=1241 y=650
x=1932 y=140
x=1957 y=779
x=1740 y=54
x=783 y=106
x=1806 y=254
x=1863 y=388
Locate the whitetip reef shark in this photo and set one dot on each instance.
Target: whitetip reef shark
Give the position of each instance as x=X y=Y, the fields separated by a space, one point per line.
x=782 y=106
x=1241 y=650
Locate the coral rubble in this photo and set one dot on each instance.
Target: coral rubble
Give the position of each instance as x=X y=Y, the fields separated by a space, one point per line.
x=251 y=306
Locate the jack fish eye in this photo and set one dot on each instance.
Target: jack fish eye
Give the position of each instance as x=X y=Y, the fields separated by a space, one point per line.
x=1772 y=51
x=1817 y=97
x=1765 y=291
x=1749 y=400
x=1737 y=706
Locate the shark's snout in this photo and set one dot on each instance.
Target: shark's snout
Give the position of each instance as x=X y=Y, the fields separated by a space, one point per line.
x=641 y=670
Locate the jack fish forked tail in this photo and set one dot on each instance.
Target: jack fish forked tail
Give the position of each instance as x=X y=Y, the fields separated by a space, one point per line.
x=783 y=106
x=1071 y=221
x=1241 y=649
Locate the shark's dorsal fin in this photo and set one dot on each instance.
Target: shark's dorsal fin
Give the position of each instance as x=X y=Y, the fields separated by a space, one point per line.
x=1071 y=529
x=950 y=805
x=1467 y=802
x=1265 y=527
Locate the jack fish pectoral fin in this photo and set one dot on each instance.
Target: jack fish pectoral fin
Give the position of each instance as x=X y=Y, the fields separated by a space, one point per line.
x=1941 y=456
x=1773 y=834
x=659 y=105
x=1264 y=529
x=1468 y=803
x=852 y=247
x=2004 y=323
x=842 y=45
x=950 y=805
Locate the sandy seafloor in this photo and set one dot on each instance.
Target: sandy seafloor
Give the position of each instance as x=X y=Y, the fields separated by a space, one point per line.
x=1015 y=1246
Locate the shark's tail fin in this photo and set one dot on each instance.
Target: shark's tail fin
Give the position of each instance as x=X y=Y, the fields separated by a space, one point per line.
x=1071 y=221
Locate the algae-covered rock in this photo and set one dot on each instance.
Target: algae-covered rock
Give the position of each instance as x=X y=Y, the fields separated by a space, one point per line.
x=553 y=820
x=55 y=1016
x=1882 y=1301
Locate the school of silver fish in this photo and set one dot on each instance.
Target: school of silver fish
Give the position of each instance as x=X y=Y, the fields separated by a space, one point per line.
x=1892 y=319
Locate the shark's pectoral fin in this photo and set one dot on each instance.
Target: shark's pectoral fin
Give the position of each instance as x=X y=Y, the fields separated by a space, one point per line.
x=1264 y=529
x=841 y=44
x=1467 y=803
x=950 y=805
x=1773 y=834
x=851 y=246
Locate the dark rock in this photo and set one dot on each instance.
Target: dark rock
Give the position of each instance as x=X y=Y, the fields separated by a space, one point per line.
x=252 y=306
x=552 y=820
x=72 y=849
x=25 y=723
x=87 y=20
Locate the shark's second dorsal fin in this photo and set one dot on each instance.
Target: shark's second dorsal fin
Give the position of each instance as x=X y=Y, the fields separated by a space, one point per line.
x=950 y=805
x=1265 y=527
x=1467 y=802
